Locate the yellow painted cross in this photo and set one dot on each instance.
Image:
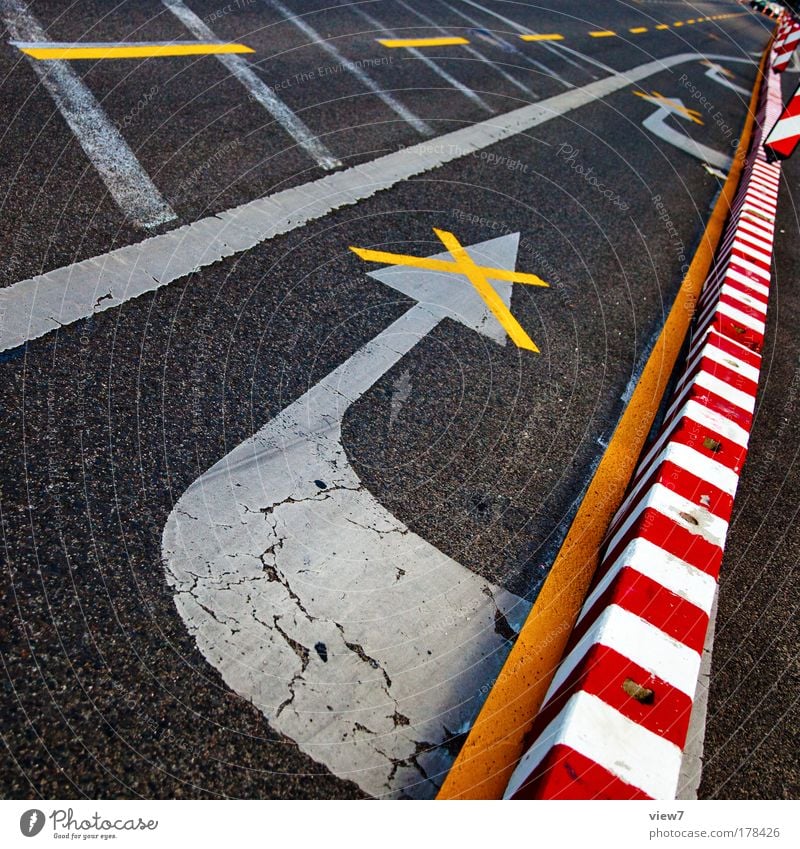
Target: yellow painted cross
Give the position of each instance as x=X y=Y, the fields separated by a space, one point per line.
x=478 y=276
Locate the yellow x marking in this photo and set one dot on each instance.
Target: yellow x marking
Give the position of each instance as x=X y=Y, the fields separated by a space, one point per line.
x=655 y=97
x=478 y=275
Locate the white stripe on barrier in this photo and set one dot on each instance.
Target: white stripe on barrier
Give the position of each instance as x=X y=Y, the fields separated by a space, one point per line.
x=676 y=575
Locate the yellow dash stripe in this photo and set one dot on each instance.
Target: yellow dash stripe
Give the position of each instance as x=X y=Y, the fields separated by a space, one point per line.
x=422 y=42
x=637 y=30
x=662 y=26
x=678 y=24
x=446 y=266
x=542 y=36
x=602 y=33
x=138 y=51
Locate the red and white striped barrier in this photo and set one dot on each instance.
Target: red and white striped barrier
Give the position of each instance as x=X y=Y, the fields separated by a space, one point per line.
x=615 y=719
x=785 y=43
x=783 y=137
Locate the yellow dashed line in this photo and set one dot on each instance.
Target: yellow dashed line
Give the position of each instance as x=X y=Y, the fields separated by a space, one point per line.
x=678 y=24
x=132 y=51
x=662 y=26
x=542 y=36
x=602 y=33
x=637 y=30
x=422 y=42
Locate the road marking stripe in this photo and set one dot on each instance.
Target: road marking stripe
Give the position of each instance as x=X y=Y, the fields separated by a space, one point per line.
x=258 y=89
x=365 y=79
x=35 y=306
x=127 y=182
x=55 y=50
x=576 y=727
x=443 y=41
x=662 y=26
x=637 y=30
x=541 y=36
x=602 y=33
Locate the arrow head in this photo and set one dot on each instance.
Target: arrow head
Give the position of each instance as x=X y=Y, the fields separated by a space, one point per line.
x=451 y=295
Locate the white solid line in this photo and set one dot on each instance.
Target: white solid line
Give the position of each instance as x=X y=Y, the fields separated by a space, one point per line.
x=259 y=90
x=48 y=301
x=468 y=48
x=130 y=186
x=426 y=60
x=740 y=399
x=626 y=749
x=406 y=114
x=521 y=29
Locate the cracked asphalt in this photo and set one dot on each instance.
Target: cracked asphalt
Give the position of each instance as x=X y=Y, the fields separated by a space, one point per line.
x=480 y=450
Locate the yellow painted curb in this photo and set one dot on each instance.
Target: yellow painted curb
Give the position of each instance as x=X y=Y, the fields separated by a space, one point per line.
x=495 y=743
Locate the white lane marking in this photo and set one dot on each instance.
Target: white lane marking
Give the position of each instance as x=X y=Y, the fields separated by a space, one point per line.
x=127 y=182
x=365 y=79
x=521 y=29
x=639 y=641
x=719 y=74
x=468 y=48
x=657 y=124
x=354 y=636
x=258 y=89
x=426 y=60
x=626 y=749
x=40 y=304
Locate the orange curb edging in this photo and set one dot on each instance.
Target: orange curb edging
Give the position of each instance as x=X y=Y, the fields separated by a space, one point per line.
x=495 y=742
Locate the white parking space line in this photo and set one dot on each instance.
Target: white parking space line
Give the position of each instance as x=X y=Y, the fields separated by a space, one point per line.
x=127 y=182
x=468 y=48
x=34 y=307
x=365 y=79
x=516 y=51
x=521 y=29
x=426 y=60
x=260 y=91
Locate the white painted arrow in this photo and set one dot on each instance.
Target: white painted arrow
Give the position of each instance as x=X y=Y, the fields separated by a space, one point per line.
x=354 y=636
x=657 y=124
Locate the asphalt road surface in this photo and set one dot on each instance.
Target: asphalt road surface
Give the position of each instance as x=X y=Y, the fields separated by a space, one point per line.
x=180 y=620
